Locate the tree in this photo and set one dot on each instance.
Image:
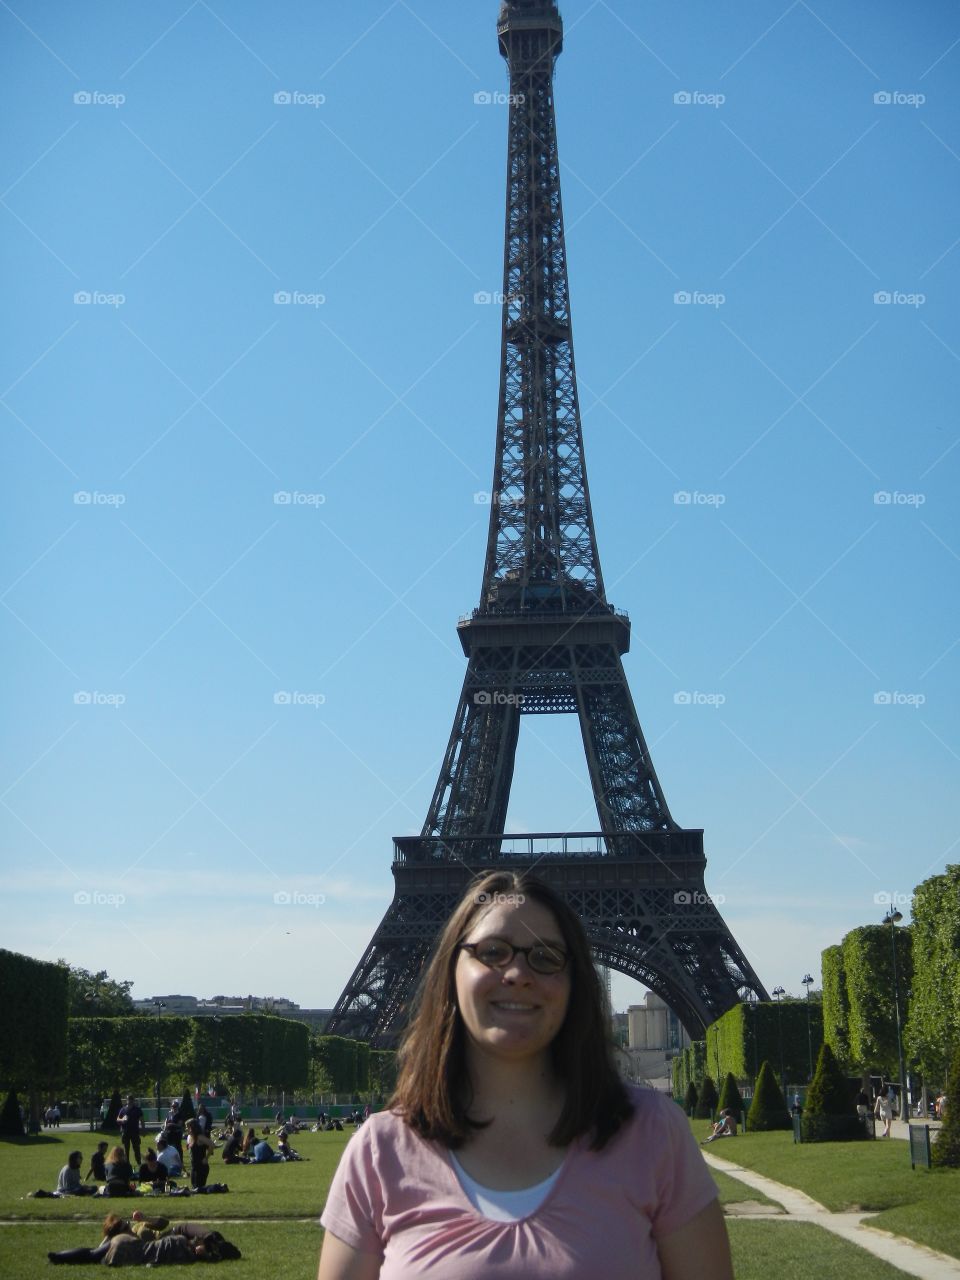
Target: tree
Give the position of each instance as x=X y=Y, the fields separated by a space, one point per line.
x=933 y=1022
x=110 y=1122
x=829 y=1111
x=707 y=1105
x=112 y=998
x=11 y=1126
x=945 y=1153
x=769 y=1108
x=691 y=1098
x=868 y=964
x=33 y=1025
x=730 y=1097
x=836 y=1004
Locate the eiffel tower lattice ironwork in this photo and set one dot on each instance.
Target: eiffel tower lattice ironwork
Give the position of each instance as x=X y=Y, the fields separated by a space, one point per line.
x=545 y=640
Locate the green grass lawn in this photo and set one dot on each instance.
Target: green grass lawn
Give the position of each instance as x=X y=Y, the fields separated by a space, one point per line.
x=921 y=1204
x=734 y=1192
x=271 y=1211
x=287 y=1249
x=800 y=1251
x=291 y=1190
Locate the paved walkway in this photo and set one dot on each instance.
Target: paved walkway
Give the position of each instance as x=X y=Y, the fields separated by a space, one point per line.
x=910 y=1257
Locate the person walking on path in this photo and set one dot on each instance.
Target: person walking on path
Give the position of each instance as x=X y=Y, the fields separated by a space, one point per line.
x=884 y=1109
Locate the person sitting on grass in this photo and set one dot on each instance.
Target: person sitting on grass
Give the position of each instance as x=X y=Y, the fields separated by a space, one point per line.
x=284 y=1149
x=152 y=1171
x=69 y=1182
x=263 y=1153
x=249 y=1142
x=232 y=1150
x=168 y=1157
x=726 y=1127
x=150 y=1242
x=119 y=1174
x=97 y=1171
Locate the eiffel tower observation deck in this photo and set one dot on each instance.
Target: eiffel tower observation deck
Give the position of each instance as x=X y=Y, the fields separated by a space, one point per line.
x=545 y=640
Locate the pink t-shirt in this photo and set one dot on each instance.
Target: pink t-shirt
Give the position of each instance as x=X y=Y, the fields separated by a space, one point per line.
x=397 y=1196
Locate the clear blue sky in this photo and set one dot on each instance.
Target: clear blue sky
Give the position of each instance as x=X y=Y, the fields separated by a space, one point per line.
x=197 y=598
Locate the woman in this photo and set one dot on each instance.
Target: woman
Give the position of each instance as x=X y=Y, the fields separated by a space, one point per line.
x=511 y=1147
x=249 y=1142
x=119 y=1174
x=199 y=1146
x=884 y=1109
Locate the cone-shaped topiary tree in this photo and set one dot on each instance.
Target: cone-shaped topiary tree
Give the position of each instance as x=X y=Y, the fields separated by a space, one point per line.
x=945 y=1153
x=707 y=1106
x=11 y=1126
x=730 y=1097
x=110 y=1124
x=690 y=1099
x=829 y=1114
x=187 y=1111
x=768 y=1109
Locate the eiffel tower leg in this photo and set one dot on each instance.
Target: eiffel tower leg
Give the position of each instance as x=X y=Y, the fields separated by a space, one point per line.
x=473 y=790
x=625 y=785
x=373 y=1004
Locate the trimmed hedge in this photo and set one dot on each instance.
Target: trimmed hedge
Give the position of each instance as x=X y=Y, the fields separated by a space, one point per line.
x=945 y=1152
x=933 y=1020
x=707 y=1104
x=769 y=1108
x=829 y=1113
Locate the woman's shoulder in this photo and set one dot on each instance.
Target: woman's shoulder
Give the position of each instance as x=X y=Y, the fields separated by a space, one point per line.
x=653 y=1113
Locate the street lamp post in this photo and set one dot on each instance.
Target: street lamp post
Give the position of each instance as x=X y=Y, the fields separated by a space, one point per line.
x=216 y=1054
x=893 y=918
x=159 y=1005
x=92 y=999
x=808 y=983
x=777 y=993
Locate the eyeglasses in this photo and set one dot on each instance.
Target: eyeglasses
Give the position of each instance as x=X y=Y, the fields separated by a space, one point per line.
x=497 y=953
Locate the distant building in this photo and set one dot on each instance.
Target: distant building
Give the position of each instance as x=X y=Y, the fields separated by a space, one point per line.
x=654 y=1038
x=226 y=1006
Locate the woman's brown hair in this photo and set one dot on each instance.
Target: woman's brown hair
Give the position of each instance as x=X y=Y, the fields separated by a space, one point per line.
x=433 y=1089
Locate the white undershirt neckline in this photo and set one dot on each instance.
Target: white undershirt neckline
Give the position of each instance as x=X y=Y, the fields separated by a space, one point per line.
x=503 y=1206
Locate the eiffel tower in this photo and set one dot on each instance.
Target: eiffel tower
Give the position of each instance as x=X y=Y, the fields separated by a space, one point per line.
x=544 y=640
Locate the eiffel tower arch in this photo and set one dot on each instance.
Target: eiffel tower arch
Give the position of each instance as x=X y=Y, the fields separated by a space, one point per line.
x=545 y=641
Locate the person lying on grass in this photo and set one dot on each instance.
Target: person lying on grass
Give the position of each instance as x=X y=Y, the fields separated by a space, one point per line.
x=140 y=1241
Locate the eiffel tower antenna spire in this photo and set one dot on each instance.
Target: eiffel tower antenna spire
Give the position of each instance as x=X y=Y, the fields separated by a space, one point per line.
x=544 y=639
